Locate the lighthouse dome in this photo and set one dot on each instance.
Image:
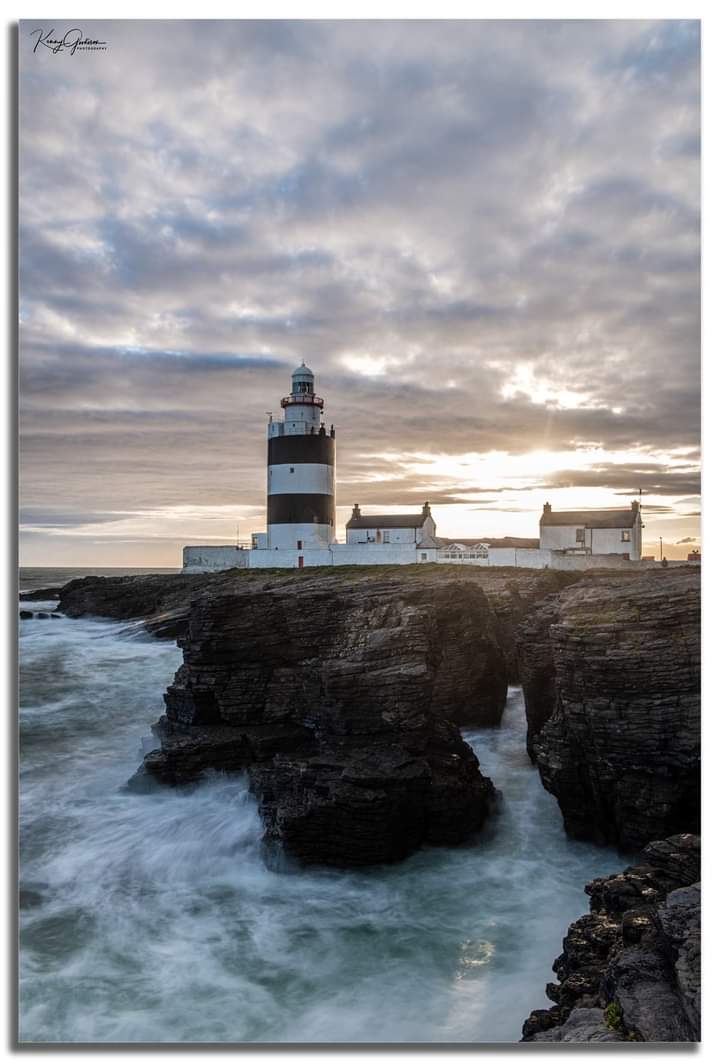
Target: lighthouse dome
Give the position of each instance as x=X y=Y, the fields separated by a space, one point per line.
x=303 y=372
x=303 y=380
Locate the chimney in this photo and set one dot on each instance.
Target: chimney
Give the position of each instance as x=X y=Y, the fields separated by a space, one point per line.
x=635 y=506
x=547 y=508
x=355 y=512
x=426 y=509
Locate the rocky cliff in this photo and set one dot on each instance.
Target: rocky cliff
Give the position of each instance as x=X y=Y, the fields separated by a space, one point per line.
x=630 y=970
x=611 y=674
x=163 y=601
x=337 y=695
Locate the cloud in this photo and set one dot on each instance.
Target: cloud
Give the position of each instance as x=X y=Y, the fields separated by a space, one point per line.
x=655 y=479
x=483 y=236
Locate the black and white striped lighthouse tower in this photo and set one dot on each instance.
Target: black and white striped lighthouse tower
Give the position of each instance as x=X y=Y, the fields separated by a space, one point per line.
x=301 y=471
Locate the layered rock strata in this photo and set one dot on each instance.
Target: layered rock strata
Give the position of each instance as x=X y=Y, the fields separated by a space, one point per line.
x=611 y=676
x=163 y=602
x=630 y=970
x=336 y=696
x=536 y=666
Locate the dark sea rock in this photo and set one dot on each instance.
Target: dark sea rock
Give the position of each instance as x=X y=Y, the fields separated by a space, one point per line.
x=161 y=601
x=611 y=675
x=633 y=963
x=337 y=695
x=42 y=615
x=48 y=593
x=25 y=614
x=364 y=801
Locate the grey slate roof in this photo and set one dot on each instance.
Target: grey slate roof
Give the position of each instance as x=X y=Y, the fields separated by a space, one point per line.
x=594 y=519
x=385 y=521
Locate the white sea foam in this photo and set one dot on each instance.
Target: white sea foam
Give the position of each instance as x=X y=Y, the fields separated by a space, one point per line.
x=155 y=918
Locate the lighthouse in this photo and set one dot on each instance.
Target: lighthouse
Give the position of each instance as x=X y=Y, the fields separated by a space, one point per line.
x=301 y=471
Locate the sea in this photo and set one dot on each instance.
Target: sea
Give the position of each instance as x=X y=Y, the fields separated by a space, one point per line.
x=155 y=918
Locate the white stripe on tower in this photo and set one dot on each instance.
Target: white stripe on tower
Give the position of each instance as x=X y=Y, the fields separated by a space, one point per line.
x=315 y=479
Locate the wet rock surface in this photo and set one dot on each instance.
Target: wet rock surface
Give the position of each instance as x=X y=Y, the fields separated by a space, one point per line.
x=611 y=674
x=340 y=698
x=633 y=964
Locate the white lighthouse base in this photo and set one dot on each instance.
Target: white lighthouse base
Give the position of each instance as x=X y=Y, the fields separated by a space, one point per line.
x=283 y=537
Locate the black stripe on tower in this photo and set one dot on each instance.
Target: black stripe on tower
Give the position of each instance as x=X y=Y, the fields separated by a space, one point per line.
x=301 y=508
x=301 y=449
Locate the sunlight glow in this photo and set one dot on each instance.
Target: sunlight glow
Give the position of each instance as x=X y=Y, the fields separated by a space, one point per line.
x=524 y=382
x=371 y=365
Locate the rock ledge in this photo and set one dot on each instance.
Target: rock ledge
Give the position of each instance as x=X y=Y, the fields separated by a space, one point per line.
x=341 y=701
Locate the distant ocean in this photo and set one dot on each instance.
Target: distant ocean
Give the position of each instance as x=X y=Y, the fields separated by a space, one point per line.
x=37 y=577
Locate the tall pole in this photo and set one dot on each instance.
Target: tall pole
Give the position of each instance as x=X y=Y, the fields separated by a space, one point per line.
x=661 y=556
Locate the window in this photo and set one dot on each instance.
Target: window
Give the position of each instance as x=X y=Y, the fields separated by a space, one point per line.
x=626 y=536
x=580 y=534
x=386 y=537
x=292 y=471
x=423 y=556
x=299 y=545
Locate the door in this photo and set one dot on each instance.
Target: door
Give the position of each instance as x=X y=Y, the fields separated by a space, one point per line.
x=301 y=561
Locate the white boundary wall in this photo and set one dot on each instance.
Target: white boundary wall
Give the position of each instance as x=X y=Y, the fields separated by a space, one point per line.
x=200 y=559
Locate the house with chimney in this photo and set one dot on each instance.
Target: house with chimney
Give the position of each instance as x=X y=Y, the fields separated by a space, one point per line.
x=593 y=532
x=406 y=528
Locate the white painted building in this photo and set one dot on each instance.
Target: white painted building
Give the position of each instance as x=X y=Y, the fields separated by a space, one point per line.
x=593 y=532
x=413 y=528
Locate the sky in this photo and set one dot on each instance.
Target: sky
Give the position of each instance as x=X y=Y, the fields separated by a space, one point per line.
x=483 y=237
